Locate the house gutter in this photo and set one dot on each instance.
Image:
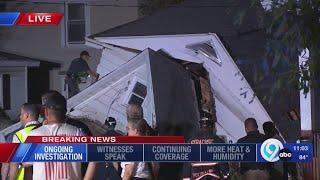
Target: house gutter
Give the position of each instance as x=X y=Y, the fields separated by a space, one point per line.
x=99 y=45
x=96 y=44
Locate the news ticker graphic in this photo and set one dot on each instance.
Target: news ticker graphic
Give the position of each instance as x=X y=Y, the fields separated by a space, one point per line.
x=28 y=152
x=17 y=18
x=105 y=139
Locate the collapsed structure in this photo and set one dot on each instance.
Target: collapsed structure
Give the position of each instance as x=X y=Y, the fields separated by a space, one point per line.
x=177 y=79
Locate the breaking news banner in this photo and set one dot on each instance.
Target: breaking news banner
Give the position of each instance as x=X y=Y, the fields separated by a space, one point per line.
x=17 y=18
x=105 y=139
x=116 y=149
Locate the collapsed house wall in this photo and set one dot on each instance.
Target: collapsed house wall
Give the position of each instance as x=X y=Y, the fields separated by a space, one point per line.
x=236 y=99
x=112 y=97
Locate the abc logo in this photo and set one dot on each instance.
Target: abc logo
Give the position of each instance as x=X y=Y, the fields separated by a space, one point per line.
x=270 y=149
x=285 y=154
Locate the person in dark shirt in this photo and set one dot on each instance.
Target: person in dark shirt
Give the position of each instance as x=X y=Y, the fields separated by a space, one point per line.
x=110 y=170
x=253 y=171
x=210 y=170
x=78 y=68
x=111 y=123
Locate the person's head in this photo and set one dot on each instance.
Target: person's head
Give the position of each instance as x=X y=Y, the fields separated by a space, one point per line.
x=111 y=122
x=55 y=108
x=269 y=129
x=206 y=124
x=250 y=125
x=134 y=111
x=29 y=112
x=85 y=55
x=138 y=128
x=46 y=95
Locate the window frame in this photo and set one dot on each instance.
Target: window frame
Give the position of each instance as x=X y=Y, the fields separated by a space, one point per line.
x=129 y=92
x=201 y=52
x=65 y=26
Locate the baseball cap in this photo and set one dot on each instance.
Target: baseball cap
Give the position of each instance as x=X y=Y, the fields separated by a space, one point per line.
x=84 y=53
x=110 y=121
x=56 y=102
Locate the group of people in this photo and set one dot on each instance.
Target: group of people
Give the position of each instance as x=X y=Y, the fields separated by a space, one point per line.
x=264 y=171
x=56 y=123
x=53 y=112
x=136 y=126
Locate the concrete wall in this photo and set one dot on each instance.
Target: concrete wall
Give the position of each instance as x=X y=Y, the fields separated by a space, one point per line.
x=48 y=43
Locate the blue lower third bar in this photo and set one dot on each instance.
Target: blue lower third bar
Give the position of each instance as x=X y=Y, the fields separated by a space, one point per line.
x=291 y=152
x=115 y=152
x=228 y=152
x=8 y=18
x=55 y=153
x=172 y=152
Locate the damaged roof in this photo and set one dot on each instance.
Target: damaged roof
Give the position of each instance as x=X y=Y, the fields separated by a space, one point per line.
x=245 y=43
x=194 y=17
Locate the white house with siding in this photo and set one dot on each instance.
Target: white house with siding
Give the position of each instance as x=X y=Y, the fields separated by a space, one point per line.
x=122 y=66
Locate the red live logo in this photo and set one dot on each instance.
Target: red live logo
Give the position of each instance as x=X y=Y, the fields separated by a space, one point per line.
x=39 y=19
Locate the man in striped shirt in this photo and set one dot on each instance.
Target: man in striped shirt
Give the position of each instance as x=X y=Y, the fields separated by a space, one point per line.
x=55 y=110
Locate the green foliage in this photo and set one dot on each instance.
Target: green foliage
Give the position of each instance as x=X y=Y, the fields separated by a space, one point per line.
x=292 y=26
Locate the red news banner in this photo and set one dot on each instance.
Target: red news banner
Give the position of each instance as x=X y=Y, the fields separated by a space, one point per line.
x=105 y=139
x=7 y=150
x=39 y=18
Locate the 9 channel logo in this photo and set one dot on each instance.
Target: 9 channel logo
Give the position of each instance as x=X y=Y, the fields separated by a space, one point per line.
x=272 y=150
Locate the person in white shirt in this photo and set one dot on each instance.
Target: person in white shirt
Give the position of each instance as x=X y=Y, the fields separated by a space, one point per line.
x=55 y=110
x=138 y=170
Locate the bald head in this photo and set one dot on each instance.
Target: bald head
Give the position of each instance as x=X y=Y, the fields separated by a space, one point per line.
x=250 y=125
x=134 y=111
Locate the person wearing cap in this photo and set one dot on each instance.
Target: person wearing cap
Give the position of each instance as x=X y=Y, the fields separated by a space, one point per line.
x=55 y=108
x=78 y=68
x=111 y=123
x=109 y=170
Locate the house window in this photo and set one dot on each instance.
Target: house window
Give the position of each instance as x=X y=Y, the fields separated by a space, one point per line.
x=76 y=23
x=206 y=49
x=136 y=93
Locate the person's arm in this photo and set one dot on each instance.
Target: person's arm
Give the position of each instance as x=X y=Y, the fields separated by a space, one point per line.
x=116 y=165
x=5 y=170
x=14 y=167
x=129 y=171
x=90 y=171
x=13 y=172
x=155 y=170
x=92 y=74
